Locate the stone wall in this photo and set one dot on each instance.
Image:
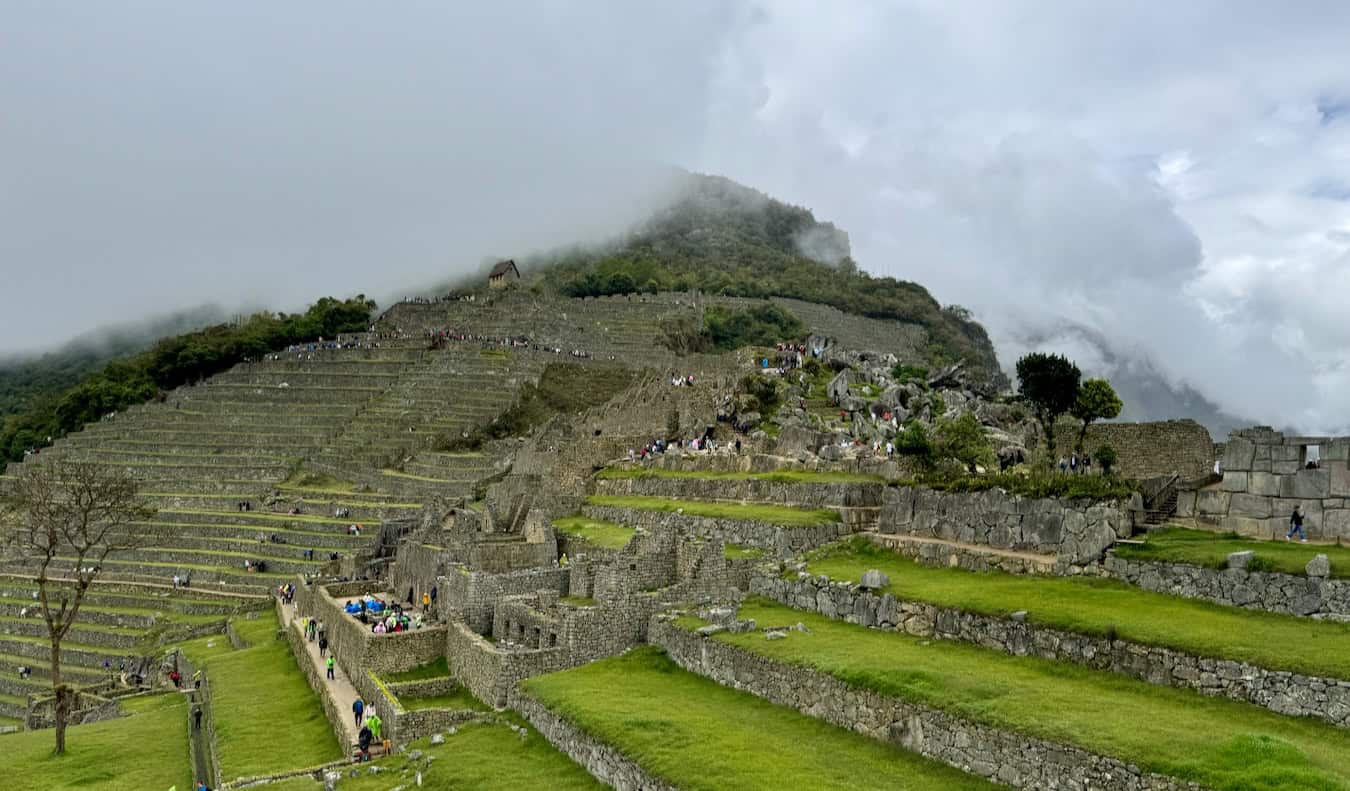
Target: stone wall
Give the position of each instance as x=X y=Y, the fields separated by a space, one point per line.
x=605 y=763
x=1147 y=450
x=1005 y=757
x=776 y=539
x=474 y=595
x=490 y=672
x=809 y=495
x=317 y=682
x=356 y=647
x=1257 y=590
x=1265 y=475
x=1077 y=531
x=1292 y=694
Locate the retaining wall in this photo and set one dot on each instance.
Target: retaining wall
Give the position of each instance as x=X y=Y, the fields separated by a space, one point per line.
x=782 y=541
x=1258 y=590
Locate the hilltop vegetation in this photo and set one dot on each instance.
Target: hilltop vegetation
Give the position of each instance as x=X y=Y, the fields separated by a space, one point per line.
x=171 y=362
x=723 y=238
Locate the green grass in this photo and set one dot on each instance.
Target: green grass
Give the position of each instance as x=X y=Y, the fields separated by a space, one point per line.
x=1096 y=606
x=577 y=601
x=458 y=700
x=482 y=757
x=782 y=515
x=779 y=476
x=267 y=718
x=601 y=532
x=738 y=552
x=147 y=749
x=437 y=668
x=1035 y=485
x=399 y=474
x=317 y=481
x=698 y=735
x=1211 y=550
x=1218 y=743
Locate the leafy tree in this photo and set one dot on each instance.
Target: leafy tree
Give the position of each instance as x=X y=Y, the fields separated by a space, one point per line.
x=764 y=395
x=760 y=325
x=914 y=441
x=68 y=518
x=962 y=438
x=1096 y=400
x=1107 y=457
x=1049 y=382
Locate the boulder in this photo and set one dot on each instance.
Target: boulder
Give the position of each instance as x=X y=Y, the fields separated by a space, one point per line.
x=837 y=389
x=1319 y=566
x=873 y=579
x=1239 y=560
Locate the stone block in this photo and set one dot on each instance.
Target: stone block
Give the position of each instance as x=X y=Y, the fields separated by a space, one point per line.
x=1285 y=453
x=1212 y=502
x=1238 y=454
x=1336 y=524
x=1262 y=452
x=1306 y=485
x=1264 y=484
x=1234 y=481
x=1261 y=465
x=874 y=579
x=1337 y=450
x=1250 y=505
x=1246 y=526
x=1284 y=467
x=1186 y=504
x=1239 y=560
x=1319 y=566
x=1338 y=479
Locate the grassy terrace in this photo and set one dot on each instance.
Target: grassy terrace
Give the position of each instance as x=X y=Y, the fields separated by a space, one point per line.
x=439 y=668
x=460 y=699
x=1218 y=743
x=780 y=476
x=698 y=735
x=1211 y=550
x=738 y=552
x=782 y=515
x=148 y=749
x=267 y=718
x=483 y=757
x=600 y=532
x=1096 y=606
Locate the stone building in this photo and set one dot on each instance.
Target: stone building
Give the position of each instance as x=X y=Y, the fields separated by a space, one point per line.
x=1266 y=474
x=503 y=274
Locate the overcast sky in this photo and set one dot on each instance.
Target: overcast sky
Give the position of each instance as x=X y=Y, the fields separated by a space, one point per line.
x=1166 y=183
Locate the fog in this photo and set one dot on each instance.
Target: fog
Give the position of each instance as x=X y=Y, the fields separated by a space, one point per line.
x=1161 y=191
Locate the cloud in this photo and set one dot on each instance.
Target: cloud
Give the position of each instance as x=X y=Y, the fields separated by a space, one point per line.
x=1159 y=189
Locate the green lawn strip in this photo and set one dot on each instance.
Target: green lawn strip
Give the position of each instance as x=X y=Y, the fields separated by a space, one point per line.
x=1211 y=550
x=1097 y=606
x=577 y=601
x=206 y=554
x=202 y=650
x=782 y=515
x=601 y=532
x=7 y=622
x=779 y=476
x=267 y=718
x=738 y=552
x=438 y=668
x=482 y=757
x=699 y=735
x=460 y=699
x=1218 y=743
x=148 y=749
x=167 y=615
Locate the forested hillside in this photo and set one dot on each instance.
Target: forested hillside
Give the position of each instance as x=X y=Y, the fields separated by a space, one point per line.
x=724 y=238
x=54 y=394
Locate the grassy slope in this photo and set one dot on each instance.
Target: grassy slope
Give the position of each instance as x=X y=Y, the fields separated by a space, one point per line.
x=600 y=532
x=780 y=476
x=1219 y=743
x=699 y=735
x=440 y=668
x=148 y=749
x=1211 y=550
x=781 y=515
x=479 y=757
x=260 y=696
x=1097 y=606
x=457 y=700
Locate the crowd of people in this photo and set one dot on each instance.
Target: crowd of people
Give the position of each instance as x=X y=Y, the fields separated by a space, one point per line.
x=1075 y=464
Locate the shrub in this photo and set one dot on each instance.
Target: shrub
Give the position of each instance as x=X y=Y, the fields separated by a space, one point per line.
x=1261 y=563
x=1107 y=457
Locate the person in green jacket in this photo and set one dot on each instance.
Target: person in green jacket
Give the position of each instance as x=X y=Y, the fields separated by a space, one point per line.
x=375 y=724
x=330 y=667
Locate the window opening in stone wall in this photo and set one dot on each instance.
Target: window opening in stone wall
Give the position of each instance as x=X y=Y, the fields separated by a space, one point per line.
x=553 y=640
x=537 y=642
x=1310 y=457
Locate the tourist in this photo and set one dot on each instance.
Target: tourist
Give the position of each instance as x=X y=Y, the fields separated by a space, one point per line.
x=1087 y=464
x=330 y=668
x=375 y=724
x=1063 y=465
x=426 y=600
x=358 y=708
x=323 y=646
x=1073 y=464
x=175 y=582
x=363 y=741
x=1296 y=525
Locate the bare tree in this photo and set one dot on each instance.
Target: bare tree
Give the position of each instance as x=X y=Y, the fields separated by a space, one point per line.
x=65 y=519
